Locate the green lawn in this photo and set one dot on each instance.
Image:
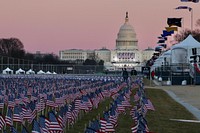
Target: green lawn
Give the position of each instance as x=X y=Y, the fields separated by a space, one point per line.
x=166 y=109
x=80 y=125
x=159 y=120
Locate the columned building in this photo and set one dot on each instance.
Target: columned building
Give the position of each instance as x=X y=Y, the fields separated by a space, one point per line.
x=103 y=54
x=126 y=53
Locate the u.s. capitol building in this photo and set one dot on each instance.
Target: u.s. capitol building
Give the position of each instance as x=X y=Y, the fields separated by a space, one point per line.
x=126 y=52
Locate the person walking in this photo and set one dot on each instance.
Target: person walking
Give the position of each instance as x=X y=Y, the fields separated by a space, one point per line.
x=152 y=74
x=133 y=74
x=125 y=74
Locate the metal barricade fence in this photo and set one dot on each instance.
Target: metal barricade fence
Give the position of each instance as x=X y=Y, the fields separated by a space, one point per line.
x=57 y=68
x=177 y=73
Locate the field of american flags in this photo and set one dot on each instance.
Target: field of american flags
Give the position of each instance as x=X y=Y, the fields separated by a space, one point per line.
x=91 y=104
x=53 y=103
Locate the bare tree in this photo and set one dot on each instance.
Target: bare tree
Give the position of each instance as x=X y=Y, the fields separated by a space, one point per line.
x=198 y=23
x=12 y=47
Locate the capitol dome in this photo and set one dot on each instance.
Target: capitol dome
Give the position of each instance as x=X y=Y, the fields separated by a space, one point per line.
x=126 y=37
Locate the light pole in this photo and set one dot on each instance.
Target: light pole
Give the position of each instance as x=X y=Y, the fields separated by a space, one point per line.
x=190 y=10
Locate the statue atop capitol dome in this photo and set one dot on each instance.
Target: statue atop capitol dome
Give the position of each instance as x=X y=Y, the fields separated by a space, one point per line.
x=126 y=37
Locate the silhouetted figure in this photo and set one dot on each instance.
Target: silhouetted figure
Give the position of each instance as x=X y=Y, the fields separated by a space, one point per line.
x=152 y=75
x=125 y=74
x=133 y=73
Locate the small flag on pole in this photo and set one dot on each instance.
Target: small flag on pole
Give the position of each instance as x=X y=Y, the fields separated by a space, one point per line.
x=174 y=22
x=184 y=7
x=195 y=1
x=171 y=29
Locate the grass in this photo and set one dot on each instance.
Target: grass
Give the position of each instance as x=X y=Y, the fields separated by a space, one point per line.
x=159 y=120
x=80 y=125
x=166 y=109
x=125 y=122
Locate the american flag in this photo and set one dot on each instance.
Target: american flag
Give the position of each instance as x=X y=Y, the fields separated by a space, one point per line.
x=2 y=122
x=17 y=116
x=148 y=104
x=1 y=103
x=109 y=127
x=113 y=116
x=120 y=108
x=89 y=130
x=40 y=105
x=24 y=130
x=30 y=113
x=9 y=117
x=13 y=130
x=103 y=123
x=18 y=99
x=137 y=96
x=54 y=126
x=142 y=127
x=93 y=127
x=44 y=124
x=50 y=101
x=59 y=99
x=25 y=98
x=68 y=113
x=11 y=102
x=61 y=118
x=77 y=103
x=36 y=127
x=134 y=129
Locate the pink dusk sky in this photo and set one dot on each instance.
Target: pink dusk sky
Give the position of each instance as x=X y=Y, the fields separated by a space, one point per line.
x=53 y=25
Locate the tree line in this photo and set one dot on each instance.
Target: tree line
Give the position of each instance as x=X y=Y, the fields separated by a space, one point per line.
x=14 y=48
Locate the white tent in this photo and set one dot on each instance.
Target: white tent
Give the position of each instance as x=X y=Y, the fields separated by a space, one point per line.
x=164 y=59
x=20 y=71
x=30 y=71
x=40 y=72
x=7 y=71
x=48 y=72
x=54 y=73
x=181 y=52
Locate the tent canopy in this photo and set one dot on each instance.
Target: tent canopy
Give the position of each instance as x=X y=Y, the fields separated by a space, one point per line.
x=189 y=42
x=180 y=53
x=48 y=72
x=40 y=72
x=20 y=71
x=7 y=71
x=30 y=71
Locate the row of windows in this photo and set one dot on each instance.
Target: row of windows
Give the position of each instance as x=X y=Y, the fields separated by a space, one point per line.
x=73 y=57
x=72 y=53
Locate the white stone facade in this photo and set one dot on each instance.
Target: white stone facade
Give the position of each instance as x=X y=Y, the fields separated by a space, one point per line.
x=103 y=54
x=126 y=53
x=73 y=54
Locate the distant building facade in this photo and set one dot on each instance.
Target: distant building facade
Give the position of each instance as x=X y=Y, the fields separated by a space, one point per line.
x=126 y=52
x=103 y=54
x=147 y=54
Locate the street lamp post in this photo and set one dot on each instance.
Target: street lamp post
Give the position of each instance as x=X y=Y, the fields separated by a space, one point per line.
x=191 y=10
x=191 y=18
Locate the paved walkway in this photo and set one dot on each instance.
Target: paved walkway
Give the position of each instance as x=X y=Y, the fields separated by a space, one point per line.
x=188 y=96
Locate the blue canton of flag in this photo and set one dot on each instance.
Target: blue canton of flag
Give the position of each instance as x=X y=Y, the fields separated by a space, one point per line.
x=44 y=124
x=9 y=117
x=24 y=130
x=53 y=123
x=13 y=130
x=36 y=127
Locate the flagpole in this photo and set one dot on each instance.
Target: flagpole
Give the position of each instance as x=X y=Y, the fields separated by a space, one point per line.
x=191 y=19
